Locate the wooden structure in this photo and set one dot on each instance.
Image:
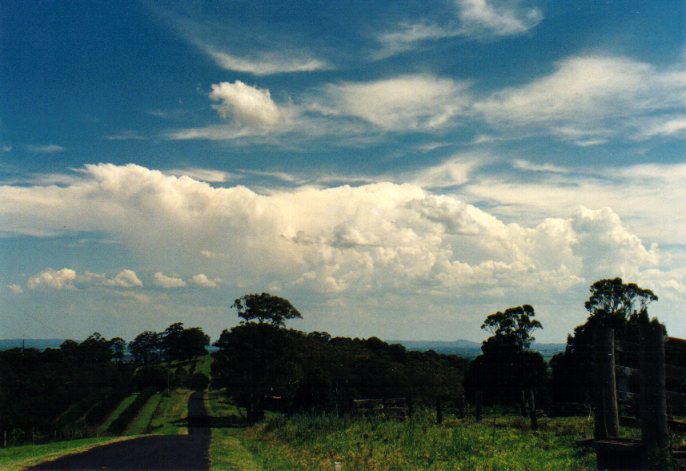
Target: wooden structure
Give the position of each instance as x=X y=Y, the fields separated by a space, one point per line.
x=646 y=382
x=395 y=408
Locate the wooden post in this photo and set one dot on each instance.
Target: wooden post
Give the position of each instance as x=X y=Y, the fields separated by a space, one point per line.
x=439 y=411
x=532 y=410
x=654 y=427
x=522 y=402
x=478 y=398
x=606 y=412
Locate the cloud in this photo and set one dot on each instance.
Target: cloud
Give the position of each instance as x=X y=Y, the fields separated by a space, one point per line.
x=202 y=174
x=452 y=172
x=590 y=99
x=167 y=282
x=358 y=241
x=245 y=105
x=55 y=279
x=473 y=18
x=203 y=281
x=45 y=149
x=264 y=63
x=494 y=17
x=404 y=103
x=15 y=289
x=125 y=279
x=126 y=135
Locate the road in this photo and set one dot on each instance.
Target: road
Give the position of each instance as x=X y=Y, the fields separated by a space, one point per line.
x=182 y=452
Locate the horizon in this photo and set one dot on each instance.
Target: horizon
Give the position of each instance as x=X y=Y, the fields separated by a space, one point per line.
x=394 y=170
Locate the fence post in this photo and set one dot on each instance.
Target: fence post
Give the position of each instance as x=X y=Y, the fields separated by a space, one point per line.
x=606 y=412
x=478 y=398
x=654 y=427
x=532 y=410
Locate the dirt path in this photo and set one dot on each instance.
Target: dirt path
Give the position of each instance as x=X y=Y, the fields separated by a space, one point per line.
x=183 y=452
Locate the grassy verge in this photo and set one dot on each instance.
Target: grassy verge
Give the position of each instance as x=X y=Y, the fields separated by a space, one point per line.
x=20 y=457
x=171 y=414
x=141 y=422
x=308 y=442
x=227 y=449
x=123 y=405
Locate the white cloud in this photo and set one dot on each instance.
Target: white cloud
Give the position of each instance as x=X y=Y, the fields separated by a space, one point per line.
x=15 y=289
x=125 y=279
x=589 y=99
x=45 y=149
x=496 y=17
x=475 y=18
x=454 y=171
x=363 y=239
x=167 y=282
x=204 y=281
x=410 y=102
x=202 y=174
x=56 y=279
x=246 y=105
x=265 y=63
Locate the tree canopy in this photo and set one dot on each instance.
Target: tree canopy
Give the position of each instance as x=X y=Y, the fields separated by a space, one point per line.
x=265 y=308
x=613 y=299
x=514 y=325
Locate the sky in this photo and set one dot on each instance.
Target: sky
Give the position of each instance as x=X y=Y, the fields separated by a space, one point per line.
x=394 y=169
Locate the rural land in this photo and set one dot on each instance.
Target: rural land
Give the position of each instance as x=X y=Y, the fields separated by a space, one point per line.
x=264 y=396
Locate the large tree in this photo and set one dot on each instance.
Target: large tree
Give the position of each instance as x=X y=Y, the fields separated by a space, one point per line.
x=507 y=367
x=613 y=304
x=265 y=308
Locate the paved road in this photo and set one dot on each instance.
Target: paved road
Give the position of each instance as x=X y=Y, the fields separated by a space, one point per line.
x=182 y=452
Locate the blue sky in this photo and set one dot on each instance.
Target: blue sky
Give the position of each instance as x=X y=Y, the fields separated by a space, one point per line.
x=398 y=169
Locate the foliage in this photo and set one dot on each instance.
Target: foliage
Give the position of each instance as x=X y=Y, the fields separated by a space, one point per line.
x=141 y=423
x=145 y=348
x=611 y=302
x=507 y=366
x=265 y=308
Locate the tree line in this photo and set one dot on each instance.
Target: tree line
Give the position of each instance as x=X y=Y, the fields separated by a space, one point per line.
x=265 y=365
x=51 y=392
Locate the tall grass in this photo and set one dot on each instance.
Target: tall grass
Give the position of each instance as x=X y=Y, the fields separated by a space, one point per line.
x=317 y=442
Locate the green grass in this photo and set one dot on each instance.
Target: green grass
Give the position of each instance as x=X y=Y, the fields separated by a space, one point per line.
x=20 y=457
x=141 y=422
x=204 y=365
x=123 y=405
x=317 y=442
x=307 y=442
x=171 y=414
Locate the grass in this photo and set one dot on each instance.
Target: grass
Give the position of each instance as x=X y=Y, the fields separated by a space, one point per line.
x=171 y=414
x=227 y=449
x=204 y=365
x=20 y=457
x=141 y=422
x=123 y=405
x=317 y=442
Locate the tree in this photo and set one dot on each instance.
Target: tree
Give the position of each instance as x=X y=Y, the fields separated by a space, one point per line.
x=118 y=346
x=614 y=301
x=265 y=308
x=145 y=347
x=507 y=368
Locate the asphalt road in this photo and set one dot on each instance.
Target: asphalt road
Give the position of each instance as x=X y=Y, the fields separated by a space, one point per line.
x=182 y=452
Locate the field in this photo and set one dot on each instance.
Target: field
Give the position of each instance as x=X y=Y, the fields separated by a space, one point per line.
x=318 y=442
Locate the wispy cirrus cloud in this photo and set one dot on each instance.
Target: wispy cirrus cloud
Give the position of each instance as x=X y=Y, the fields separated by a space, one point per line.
x=263 y=63
x=591 y=99
x=45 y=148
x=479 y=19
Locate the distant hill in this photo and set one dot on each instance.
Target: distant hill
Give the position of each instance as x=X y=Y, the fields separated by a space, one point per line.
x=469 y=349
x=40 y=344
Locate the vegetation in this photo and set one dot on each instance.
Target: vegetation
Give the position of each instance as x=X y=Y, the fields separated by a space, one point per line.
x=141 y=423
x=170 y=416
